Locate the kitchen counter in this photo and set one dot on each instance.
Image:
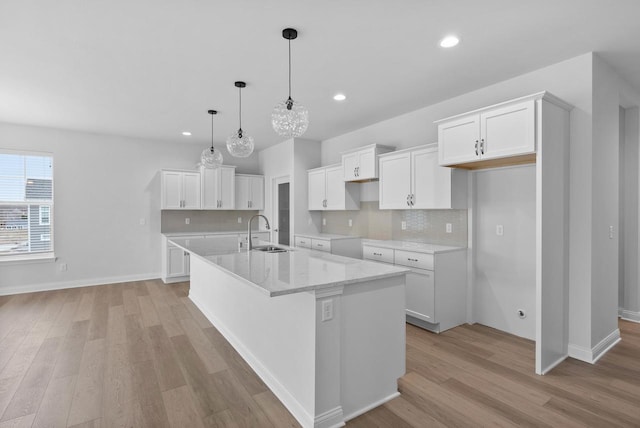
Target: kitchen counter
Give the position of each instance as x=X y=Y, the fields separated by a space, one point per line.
x=228 y=232
x=418 y=247
x=330 y=346
x=306 y=270
x=328 y=236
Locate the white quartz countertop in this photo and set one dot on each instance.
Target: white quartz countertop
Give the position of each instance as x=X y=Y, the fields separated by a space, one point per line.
x=418 y=247
x=328 y=236
x=296 y=271
x=228 y=232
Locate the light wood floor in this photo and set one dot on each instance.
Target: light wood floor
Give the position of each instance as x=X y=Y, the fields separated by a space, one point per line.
x=140 y=354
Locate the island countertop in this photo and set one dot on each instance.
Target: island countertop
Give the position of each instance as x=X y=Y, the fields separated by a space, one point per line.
x=295 y=271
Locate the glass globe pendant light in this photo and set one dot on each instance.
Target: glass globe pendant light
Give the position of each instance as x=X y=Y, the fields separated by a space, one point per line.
x=211 y=158
x=289 y=118
x=239 y=144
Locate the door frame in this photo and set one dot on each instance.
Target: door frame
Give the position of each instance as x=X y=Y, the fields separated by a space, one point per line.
x=275 y=215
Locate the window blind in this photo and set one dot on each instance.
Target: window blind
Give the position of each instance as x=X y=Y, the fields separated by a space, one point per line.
x=26 y=204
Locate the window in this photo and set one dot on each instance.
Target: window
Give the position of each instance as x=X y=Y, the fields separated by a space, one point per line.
x=26 y=205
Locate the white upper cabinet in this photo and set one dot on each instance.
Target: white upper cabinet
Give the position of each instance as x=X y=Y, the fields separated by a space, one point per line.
x=361 y=164
x=249 y=192
x=218 y=188
x=180 y=190
x=328 y=191
x=501 y=131
x=412 y=178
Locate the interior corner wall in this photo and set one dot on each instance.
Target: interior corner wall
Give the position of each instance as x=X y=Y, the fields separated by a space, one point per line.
x=273 y=162
x=306 y=155
x=104 y=186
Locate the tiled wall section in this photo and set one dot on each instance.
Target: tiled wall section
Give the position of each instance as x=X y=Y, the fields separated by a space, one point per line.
x=172 y=221
x=422 y=225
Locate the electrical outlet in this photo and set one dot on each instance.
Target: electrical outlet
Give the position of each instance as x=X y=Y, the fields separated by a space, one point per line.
x=610 y=232
x=187 y=220
x=449 y=228
x=350 y=223
x=62 y=267
x=327 y=310
x=403 y=225
x=239 y=219
x=143 y=222
x=324 y=221
x=499 y=230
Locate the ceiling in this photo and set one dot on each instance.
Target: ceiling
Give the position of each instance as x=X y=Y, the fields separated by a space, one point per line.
x=152 y=68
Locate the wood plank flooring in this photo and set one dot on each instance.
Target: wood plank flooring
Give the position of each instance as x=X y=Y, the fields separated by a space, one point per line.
x=141 y=355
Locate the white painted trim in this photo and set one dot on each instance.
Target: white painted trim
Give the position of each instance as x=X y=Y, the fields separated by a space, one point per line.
x=330 y=419
x=289 y=401
x=593 y=355
x=553 y=365
x=629 y=315
x=61 y=285
x=172 y=279
x=371 y=406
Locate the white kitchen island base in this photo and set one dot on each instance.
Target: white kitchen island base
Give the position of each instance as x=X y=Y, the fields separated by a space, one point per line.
x=324 y=372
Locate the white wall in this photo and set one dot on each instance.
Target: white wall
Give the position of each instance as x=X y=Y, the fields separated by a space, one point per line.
x=630 y=295
x=104 y=185
x=505 y=265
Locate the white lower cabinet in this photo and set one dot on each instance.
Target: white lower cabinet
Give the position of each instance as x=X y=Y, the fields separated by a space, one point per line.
x=436 y=286
x=348 y=246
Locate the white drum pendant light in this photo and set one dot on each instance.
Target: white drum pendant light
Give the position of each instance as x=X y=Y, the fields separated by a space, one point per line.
x=211 y=158
x=289 y=118
x=239 y=144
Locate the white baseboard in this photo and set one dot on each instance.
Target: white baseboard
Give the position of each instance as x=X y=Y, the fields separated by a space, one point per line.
x=629 y=315
x=289 y=401
x=553 y=365
x=594 y=354
x=60 y=285
x=371 y=406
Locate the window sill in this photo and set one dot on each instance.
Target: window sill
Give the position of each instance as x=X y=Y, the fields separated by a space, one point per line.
x=27 y=259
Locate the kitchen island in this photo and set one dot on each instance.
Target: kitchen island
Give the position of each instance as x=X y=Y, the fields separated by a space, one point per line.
x=325 y=333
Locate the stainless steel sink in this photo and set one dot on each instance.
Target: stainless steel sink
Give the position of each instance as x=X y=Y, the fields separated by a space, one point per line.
x=271 y=249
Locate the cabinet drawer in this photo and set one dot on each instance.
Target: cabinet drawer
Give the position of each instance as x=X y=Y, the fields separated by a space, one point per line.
x=302 y=242
x=377 y=254
x=321 y=245
x=414 y=260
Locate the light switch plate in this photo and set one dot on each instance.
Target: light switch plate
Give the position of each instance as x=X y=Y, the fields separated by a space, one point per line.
x=187 y=220
x=350 y=223
x=499 y=230
x=324 y=221
x=239 y=219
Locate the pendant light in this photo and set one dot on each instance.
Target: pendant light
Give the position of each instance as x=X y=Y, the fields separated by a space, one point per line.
x=239 y=144
x=289 y=118
x=211 y=158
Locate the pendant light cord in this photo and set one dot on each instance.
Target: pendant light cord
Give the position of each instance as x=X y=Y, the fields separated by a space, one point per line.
x=212 y=133
x=240 y=108
x=289 y=68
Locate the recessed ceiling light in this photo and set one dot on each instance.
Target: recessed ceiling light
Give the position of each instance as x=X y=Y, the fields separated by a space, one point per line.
x=449 y=41
x=186 y=133
x=339 y=97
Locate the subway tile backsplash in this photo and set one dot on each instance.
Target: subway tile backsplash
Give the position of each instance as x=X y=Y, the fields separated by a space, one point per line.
x=427 y=226
x=173 y=221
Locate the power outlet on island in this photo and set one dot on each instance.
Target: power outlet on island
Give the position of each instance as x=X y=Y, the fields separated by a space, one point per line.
x=449 y=228
x=324 y=221
x=350 y=223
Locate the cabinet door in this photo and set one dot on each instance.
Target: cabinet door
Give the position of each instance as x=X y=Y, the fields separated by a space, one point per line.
x=430 y=182
x=242 y=193
x=367 y=166
x=350 y=164
x=171 y=190
x=317 y=189
x=335 y=189
x=210 y=188
x=458 y=139
x=257 y=192
x=420 y=289
x=191 y=190
x=508 y=131
x=395 y=181
x=176 y=263
x=227 y=187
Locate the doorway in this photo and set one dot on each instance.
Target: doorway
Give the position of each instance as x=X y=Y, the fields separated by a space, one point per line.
x=281 y=211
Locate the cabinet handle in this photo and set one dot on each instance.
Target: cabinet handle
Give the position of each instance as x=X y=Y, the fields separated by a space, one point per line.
x=412 y=260
x=408 y=203
x=476 y=147
x=377 y=254
x=319 y=245
x=412 y=199
x=482 y=146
